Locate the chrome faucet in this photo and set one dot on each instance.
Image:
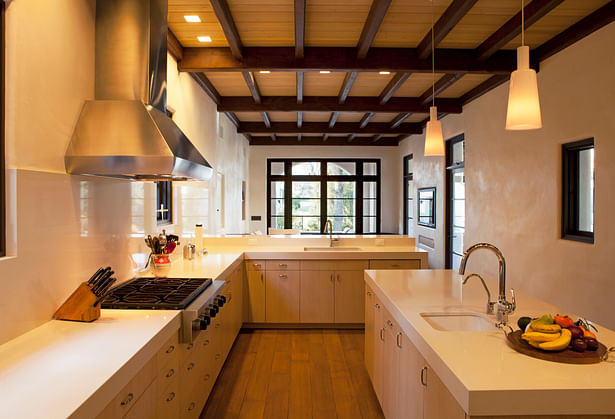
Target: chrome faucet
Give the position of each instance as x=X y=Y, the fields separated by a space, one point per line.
x=490 y=303
x=329 y=227
x=504 y=307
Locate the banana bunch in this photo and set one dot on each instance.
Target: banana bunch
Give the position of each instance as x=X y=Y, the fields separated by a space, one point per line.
x=546 y=336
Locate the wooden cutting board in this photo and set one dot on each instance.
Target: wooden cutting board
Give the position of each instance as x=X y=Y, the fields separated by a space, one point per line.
x=567 y=356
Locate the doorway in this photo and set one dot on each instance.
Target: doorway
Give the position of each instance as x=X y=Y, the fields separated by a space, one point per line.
x=455 y=208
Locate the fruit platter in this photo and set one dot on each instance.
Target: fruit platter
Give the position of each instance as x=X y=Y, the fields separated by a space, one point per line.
x=558 y=338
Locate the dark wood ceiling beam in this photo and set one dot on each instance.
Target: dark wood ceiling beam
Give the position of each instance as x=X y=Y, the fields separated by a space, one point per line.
x=223 y=13
x=299 y=27
x=395 y=83
x=596 y=20
x=400 y=60
x=372 y=24
x=451 y=16
x=366 y=118
x=489 y=84
x=174 y=47
x=346 y=86
x=533 y=12
x=299 y=86
x=331 y=141
x=399 y=119
x=323 y=128
x=252 y=86
x=440 y=86
x=331 y=104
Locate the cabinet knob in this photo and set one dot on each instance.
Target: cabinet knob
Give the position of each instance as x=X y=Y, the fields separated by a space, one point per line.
x=171 y=396
x=389 y=323
x=369 y=294
x=170 y=373
x=190 y=366
x=283 y=276
x=257 y=265
x=283 y=265
x=170 y=349
x=128 y=399
x=191 y=407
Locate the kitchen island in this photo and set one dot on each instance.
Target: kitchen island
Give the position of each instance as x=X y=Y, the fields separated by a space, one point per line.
x=474 y=373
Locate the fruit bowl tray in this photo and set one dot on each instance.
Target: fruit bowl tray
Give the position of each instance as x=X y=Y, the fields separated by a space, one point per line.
x=567 y=356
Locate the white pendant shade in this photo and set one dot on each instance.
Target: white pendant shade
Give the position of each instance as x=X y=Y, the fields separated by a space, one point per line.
x=523 y=103
x=434 y=141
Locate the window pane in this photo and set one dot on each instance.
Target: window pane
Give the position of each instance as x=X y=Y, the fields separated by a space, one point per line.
x=369 y=225
x=311 y=168
x=408 y=166
x=306 y=207
x=586 y=190
x=458 y=152
x=306 y=189
x=459 y=213
x=342 y=168
x=277 y=189
x=277 y=207
x=458 y=240
x=370 y=169
x=343 y=224
x=410 y=189
x=369 y=207
x=458 y=185
x=340 y=207
x=311 y=224
x=341 y=189
x=277 y=168
x=277 y=222
x=410 y=207
x=410 y=223
x=369 y=189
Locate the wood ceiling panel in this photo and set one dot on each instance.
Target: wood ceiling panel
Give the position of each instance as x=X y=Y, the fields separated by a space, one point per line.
x=350 y=117
x=417 y=117
x=416 y=84
x=370 y=84
x=265 y=23
x=317 y=84
x=229 y=84
x=556 y=21
x=407 y=22
x=316 y=116
x=465 y=84
x=335 y=22
x=277 y=83
x=383 y=117
x=249 y=116
x=186 y=32
x=283 y=116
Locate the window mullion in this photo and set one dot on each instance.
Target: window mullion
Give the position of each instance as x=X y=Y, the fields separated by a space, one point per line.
x=288 y=194
x=323 y=195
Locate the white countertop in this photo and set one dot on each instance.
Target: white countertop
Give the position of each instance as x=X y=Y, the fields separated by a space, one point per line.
x=483 y=373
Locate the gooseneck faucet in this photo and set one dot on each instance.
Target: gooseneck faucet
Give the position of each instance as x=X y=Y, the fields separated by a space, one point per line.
x=504 y=307
x=329 y=228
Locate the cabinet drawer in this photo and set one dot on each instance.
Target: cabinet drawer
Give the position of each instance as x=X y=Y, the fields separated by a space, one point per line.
x=283 y=265
x=168 y=353
x=255 y=265
x=145 y=407
x=168 y=375
x=334 y=265
x=167 y=406
x=395 y=264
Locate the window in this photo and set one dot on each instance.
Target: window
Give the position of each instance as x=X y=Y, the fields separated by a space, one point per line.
x=455 y=200
x=305 y=193
x=2 y=182
x=164 y=202
x=578 y=191
x=427 y=207
x=408 y=196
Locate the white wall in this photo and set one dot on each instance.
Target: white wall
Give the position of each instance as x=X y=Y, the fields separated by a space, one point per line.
x=390 y=176
x=513 y=181
x=61 y=228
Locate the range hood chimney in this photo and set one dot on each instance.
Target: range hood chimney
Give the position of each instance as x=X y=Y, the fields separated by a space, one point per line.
x=125 y=132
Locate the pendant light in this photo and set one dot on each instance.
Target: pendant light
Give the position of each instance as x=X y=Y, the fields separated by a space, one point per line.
x=434 y=141
x=523 y=111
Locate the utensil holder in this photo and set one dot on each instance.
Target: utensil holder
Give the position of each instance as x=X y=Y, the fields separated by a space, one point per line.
x=160 y=264
x=79 y=306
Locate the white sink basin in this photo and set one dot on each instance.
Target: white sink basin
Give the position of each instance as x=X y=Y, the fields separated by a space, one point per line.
x=459 y=322
x=329 y=249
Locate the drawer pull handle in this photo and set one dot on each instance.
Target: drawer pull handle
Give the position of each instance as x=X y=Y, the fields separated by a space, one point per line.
x=338 y=278
x=382 y=335
x=217 y=325
x=171 y=396
x=389 y=323
x=377 y=306
x=424 y=376
x=128 y=399
x=170 y=349
x=283 y=265
x=190 y=366
x=257 y=265
x=369 y=294
x=395 y=265
x=190 y=346
x=206 y=342
x=170 y=373
x=283 y=276
x=207 y=377
x=192 y=406
x=399 y=340
x=331 y=277
x=261 y=277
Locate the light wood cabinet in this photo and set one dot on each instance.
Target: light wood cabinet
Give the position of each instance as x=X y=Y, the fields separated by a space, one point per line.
x=370 y=332
x=438 y=402
x=255 y=310
x=410 y=387
x=349 y=304
x=390 y=366
x=282 y=291
x=317 y=297
x=395 y=264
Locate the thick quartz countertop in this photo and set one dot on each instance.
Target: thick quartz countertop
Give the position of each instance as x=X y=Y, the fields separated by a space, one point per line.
x=483 y=373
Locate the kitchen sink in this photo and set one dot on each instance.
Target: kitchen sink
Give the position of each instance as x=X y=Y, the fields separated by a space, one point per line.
x=459 y=322
x=329 y=249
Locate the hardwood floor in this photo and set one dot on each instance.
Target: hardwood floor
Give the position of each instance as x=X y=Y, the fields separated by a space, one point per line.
x=311 y=373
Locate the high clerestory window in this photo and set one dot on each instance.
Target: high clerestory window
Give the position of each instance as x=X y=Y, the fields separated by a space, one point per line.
x=305 y=193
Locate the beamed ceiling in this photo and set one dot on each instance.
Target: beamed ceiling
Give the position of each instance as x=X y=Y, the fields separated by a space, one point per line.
x=354 y=40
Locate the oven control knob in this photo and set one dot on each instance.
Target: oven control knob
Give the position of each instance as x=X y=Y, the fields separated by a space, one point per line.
x=220 y=300
x=204 y=322
x=212 y=310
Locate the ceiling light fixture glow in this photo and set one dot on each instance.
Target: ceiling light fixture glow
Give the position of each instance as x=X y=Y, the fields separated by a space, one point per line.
x=523 y=111
x=324 y=72
x=192 y=19
x=384 y=73
x=264 y=71
x=434 y=140
x=204 y=38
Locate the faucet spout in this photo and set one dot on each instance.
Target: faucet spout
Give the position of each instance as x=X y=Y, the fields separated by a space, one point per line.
x=329 y=228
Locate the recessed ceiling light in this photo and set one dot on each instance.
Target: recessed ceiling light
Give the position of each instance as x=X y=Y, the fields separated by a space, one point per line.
x=192 y=19
x=384 y=73
x=324 y=71
x=264 y=71
x=204 y=38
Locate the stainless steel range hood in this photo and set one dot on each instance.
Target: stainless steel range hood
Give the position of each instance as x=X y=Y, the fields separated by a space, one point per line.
x=125 y=132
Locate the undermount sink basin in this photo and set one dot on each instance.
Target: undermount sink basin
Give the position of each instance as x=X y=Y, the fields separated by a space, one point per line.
x=459 y=322
x=329 y=249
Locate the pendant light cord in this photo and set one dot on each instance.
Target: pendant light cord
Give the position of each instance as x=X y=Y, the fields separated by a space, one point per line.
x=433 y=63
x=522 y=25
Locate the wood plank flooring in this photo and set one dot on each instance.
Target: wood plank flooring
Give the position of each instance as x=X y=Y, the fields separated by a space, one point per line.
x=308 y=373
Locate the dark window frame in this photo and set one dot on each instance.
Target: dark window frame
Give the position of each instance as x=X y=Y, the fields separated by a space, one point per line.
x=164 y=197
x=451 y=167
x=570 y=185
x=407 y=178
x=323 y=178
x=2 y=130
x=433 y=207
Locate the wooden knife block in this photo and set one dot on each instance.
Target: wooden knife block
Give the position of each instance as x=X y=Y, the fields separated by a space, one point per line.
x=79 y=306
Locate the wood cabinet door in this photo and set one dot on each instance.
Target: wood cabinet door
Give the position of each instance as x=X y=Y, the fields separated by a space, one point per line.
x=390 y=366
x=438 y=402
x=349 y=300
x=370 y=332
x=282 y=290
x=379 y=341
x=410 y=393
x=256 y=297
x=317 y=297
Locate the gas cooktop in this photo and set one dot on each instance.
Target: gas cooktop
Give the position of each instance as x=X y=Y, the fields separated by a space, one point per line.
x=156 y=293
